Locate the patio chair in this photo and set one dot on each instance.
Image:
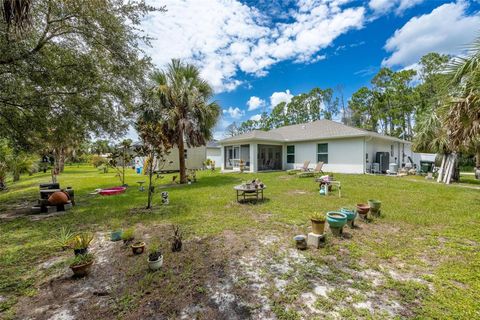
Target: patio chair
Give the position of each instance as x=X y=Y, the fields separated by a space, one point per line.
x=303 y=168
x=311 y=173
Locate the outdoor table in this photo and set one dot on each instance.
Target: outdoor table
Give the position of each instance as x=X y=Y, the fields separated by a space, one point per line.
x=244 y=193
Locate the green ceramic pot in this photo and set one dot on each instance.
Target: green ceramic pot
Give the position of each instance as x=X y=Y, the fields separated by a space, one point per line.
x=336 y=219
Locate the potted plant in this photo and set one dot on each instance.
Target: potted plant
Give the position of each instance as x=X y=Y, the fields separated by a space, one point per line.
x=81 y=264
x=64 y=239
x=138 y=247
x=374 y=206
x=318 y=222
x=177 y=239
x=128 y=236
x=155 y=258
x=81 y=242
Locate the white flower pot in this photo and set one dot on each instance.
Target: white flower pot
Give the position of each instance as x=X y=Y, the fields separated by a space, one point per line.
x=155 y=265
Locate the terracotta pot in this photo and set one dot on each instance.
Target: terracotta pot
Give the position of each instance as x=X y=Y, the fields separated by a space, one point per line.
x=318 y=227
x=58 y=198
x=138 y=247
x=362 y=208
x=81 y=270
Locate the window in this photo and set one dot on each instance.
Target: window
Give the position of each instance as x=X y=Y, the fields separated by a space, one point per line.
x=185 y=153
x=290 y=154
x=322 y=152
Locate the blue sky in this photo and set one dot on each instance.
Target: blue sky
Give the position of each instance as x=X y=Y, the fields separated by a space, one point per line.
x=258 y=53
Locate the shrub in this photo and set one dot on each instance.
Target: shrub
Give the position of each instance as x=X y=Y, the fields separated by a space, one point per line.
x=97 y=161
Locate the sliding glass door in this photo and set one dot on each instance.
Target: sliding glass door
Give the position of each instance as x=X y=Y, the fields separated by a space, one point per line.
x=269 y=157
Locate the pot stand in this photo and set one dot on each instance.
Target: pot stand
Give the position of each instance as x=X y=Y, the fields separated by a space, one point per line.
x=375 y=212
x=337 y=232
x=316 y=240
x=351 y=223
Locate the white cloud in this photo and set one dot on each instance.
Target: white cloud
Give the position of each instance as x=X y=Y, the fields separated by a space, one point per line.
x=384 y=6
x=447 y=29
x=255 y=103
x=225 y=37
x=256 y=117
x=234 y=113
x=278 y=97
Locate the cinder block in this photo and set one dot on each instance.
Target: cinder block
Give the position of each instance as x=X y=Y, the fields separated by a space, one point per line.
x=51 y=209
x=36 y=210
x=316 y=240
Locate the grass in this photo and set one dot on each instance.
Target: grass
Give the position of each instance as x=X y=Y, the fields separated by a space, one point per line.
x=424 y=225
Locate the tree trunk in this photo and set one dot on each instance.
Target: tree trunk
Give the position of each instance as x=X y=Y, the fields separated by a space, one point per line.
x=61 y=160
x=150 y=176
x=181 y=157
x=477 y=158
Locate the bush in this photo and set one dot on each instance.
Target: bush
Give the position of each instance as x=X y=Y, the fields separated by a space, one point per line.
x=97 y=161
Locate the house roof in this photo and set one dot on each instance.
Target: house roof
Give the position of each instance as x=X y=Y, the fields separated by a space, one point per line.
x=316 y=130
x=213 y=144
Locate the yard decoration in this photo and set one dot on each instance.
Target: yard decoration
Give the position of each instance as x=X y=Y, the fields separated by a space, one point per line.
x=155 y=258
x=300 y=241
x=351 y=215
x=165 y=199
x=138 y=247
x=81 y=264
x=177 y=239
x=128 y=236
x=112 y=191
x=318 y=223
x=375 y=207
x=116 y=235
x=362 y=210
x=81 y=242
x=337 y=221
x=58 y=198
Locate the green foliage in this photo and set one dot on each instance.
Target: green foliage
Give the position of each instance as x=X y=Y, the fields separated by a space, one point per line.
x=128 y=234
x=76 y=70
x=82 y=240
x=318 y=216
x=65 y=237
x=81 y=259
x=97 y=161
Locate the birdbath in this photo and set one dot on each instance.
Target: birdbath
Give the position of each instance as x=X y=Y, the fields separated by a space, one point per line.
x=140 y=185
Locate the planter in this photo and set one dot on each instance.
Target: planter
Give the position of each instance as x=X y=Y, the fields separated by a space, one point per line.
x=301 y=242
x=363 y=209
x=80 y=251
x=318 y=226
x=138 y=247
x=81 y=270
x=375 y=206
x=336 y=219
x=156 y=264
x=116 y=235
x=351 y=215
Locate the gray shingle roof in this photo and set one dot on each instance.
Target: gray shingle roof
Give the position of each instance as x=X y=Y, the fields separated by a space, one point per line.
x=316 y=130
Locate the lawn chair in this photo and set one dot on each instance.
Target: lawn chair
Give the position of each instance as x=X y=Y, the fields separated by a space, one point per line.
x=303 y=168
x=318 y=169
x=312 y=173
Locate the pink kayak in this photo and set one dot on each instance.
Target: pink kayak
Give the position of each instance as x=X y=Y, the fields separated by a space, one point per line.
x=112 y=191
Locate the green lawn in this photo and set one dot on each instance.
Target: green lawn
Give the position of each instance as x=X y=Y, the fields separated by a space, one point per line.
x=425 y=248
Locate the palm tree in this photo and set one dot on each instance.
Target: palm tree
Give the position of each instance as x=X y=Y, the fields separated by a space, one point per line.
x=183 y=96
x=16 y=14
x=462 y=120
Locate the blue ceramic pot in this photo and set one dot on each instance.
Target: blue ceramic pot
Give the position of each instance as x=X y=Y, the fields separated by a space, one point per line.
x=116 y=235
x=336 y=219
x=351 y=214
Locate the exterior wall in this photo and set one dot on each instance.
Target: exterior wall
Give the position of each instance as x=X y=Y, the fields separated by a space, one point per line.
x=195 y=159
x=215 y=154
x=400 y=150
x=344 y=155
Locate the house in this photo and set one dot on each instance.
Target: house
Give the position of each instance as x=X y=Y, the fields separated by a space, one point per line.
x=342 y=148
x=194 y=157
